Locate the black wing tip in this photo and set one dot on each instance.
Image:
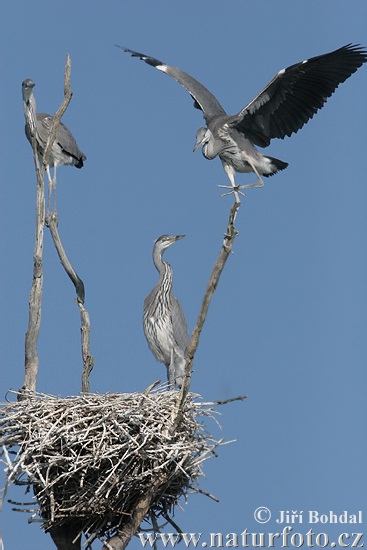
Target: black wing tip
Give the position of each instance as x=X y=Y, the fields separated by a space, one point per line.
x=147 y=58
x=356 y=49
x=354 y=55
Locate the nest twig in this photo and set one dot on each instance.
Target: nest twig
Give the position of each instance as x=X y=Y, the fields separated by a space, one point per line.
x=91 y=458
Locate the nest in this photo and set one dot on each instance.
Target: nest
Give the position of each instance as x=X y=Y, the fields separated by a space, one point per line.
x=91 y=457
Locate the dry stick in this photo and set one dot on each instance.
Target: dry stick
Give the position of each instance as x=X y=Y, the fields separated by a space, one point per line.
x=88 y=360
x=212 y=285
x=230 y=400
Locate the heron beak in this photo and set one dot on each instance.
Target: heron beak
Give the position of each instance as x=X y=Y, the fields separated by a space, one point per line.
x=178 y=237
x=197 y=145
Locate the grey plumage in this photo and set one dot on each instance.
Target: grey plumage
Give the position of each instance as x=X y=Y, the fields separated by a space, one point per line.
x=290 y=99
x=65 y=150
x=164 y=322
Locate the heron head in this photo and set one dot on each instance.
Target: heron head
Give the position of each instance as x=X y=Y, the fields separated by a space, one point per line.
x=27 y=88
x=202 y=137
x=164 y=241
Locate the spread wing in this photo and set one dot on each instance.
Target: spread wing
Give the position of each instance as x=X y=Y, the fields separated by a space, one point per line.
x=203 y=99
x=295 y=94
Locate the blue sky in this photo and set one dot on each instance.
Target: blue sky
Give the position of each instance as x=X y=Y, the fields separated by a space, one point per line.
x=287 y=325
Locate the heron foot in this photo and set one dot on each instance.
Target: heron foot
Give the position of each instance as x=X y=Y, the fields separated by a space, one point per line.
x=235 y=189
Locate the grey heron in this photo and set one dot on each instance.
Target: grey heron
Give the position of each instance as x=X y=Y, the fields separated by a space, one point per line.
x=65 y=150
x=290 y=100
x=164 y=321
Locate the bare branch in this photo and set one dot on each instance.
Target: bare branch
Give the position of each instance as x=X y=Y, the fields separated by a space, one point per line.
x=60 y=112
x=76 y=280
x=88 y=360
x=225 y=251
x=230 y=400
x=209 y=495
x=35 y=300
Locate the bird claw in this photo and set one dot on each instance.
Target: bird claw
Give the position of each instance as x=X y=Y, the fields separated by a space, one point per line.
x=235 y=189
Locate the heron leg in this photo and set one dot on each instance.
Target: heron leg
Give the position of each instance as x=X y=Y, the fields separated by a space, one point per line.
x=171 y=371
x=54 y=188
x=236 y=189
x=259 y=183
x=49 y=191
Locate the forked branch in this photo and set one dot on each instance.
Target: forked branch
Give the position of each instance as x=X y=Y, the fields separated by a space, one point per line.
x=31 y=355
x=35 y=301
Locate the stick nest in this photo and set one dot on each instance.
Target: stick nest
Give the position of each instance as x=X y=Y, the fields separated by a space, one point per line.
x=92 y=457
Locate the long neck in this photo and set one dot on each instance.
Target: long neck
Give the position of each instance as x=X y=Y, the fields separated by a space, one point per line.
x=164 y=270
x=30 y=113
x=30 y=104
x=211 y=148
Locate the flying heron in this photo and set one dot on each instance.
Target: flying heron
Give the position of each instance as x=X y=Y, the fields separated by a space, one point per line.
x=164 y=321
x=65 y=150
x=290 y=100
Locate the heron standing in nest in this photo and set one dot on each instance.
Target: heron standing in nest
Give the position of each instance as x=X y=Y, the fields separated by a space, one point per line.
x=164 y=321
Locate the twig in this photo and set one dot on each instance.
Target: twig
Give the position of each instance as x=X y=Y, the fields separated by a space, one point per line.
x=174 y=525
x=230 y=400
x=202 y=492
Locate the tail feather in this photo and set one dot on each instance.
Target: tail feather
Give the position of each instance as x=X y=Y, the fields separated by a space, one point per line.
x=276 y=165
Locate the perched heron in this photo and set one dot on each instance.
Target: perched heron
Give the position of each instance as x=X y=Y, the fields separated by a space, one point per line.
x=290 y=100
x=64 y=149
x=164 y=321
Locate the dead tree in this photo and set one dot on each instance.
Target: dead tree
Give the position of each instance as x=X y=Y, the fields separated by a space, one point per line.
x=100 y=464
